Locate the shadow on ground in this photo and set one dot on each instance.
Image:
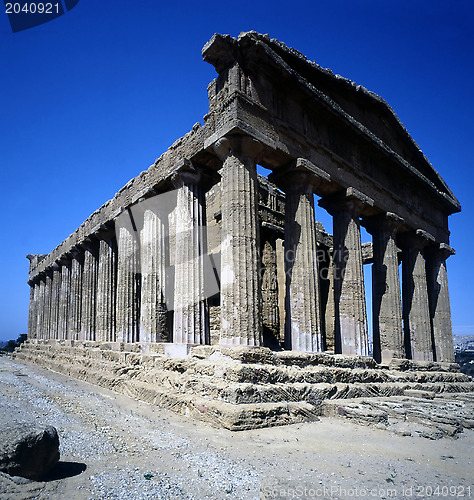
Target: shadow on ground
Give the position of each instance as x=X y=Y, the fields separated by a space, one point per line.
x=62 y=470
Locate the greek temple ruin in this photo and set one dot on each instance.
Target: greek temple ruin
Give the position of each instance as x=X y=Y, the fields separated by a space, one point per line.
x=200 y=263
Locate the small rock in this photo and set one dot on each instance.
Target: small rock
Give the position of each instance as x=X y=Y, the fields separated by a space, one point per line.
x=28 y=450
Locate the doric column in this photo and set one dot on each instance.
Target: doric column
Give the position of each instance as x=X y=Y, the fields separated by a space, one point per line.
x=330 y=311
x=349 y=290
x=56 y=288
x=33 y=310
x=40 y=306
x=241 y=321
x=386 y=296
x=189 y=324
x=303 y=319
x=438 y=295
x=64 y=299
x=48 y=289
x=106 y=280
x=416 y=314
x=89 y=290
x=128 y=280
x=153 y=252
x=326 y=294
x=75 y=305
x=270 y=311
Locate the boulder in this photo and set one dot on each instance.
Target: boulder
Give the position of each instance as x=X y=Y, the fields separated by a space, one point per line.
x=28 y=450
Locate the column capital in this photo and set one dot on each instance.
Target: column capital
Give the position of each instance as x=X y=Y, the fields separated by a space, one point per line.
x=90 y=242
x=185 y=172
x=104 y=232
x=77 y=252
x=300 y=172
x=238 y=145
x=440 y=251
x=387 y=221
x=418 y=239
x=349 y=199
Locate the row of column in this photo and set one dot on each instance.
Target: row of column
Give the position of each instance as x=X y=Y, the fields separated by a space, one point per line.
x=113 y=287
x=98 y=294
x=75 y=299
x=419 y=330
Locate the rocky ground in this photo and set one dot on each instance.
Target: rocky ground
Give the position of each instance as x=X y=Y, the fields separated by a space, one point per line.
x=114 y=447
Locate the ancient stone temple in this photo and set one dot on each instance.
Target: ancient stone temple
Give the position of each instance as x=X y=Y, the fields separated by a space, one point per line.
x=199 y=259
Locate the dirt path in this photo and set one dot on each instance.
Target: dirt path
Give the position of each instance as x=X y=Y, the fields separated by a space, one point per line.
x=114 y=447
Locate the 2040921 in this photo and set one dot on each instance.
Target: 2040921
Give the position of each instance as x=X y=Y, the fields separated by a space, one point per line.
x=32 y=8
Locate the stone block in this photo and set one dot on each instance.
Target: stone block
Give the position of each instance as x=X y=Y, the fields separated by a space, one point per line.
x=250 y=354
x=28 y=450
x=178 y=350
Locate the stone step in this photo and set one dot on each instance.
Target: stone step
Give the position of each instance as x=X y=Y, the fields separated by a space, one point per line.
x=433 y=419
x=237 y=371
x=217 y=386
x=219 y=413
x=262 y=355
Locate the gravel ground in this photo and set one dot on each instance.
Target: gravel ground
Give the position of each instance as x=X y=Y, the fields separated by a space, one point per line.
x=113 y=447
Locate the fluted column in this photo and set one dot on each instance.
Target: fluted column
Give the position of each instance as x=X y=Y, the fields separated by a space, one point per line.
x=89 y=290
x=48 y=289
x=241 y=321
x=106 y=280
x=33 y=310
x=440 y=309
x=40 y=306
x=303 y=319
x=153 y=252
x=75 y=304
x=270 y=311
x=349 y=289
x=55 y=291
x=64 y=300
x=386 y=296
x=330 y=311
x=416 y=313
x=190 y=323
x=128 y=279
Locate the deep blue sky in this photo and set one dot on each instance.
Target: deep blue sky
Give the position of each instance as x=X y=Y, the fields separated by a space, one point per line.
x=90 y=99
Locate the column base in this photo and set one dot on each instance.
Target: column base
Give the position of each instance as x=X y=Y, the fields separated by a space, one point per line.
x=174 y=350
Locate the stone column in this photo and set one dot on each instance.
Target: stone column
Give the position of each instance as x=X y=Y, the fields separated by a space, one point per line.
x=153 y=252
x=89 y=290
x=64 y=300
x=386 y=295
x=440 y=309
x=56 y=288
x=106 y=280
x=330 y=311
x=270 y=310
x=75 y=305
x=416 y=313
x=33 y=310
x=190 y=325
x=128 y=280
x=303 y=317
x=48 y=289
x=40 y=315
x=349 y=290
x=241 y=320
